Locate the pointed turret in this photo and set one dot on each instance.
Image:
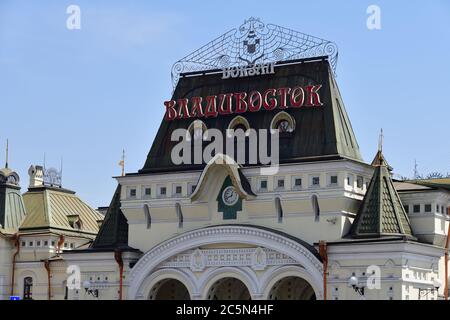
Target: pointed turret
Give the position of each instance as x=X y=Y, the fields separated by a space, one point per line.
x=381 y=213
x=113 y=232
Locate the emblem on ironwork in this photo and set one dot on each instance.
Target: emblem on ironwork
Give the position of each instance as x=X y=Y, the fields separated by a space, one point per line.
x=255 y=43
x=52 y=177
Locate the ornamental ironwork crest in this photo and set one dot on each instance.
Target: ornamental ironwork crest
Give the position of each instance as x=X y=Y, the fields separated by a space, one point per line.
x=255 y=42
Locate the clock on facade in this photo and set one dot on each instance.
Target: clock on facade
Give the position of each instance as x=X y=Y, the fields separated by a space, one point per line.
x=230 y=196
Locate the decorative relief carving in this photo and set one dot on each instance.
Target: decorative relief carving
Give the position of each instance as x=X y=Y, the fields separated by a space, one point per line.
x=259 y=259
x=197 y=260
x=256 y=258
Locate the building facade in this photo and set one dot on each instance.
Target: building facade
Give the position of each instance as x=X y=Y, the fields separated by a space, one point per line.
x=35 y=228
x=254 y=188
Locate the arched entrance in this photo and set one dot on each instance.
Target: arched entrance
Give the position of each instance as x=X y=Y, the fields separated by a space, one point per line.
x=292 y=288
x=169 y=289
x=228 y=289
x=304 y=261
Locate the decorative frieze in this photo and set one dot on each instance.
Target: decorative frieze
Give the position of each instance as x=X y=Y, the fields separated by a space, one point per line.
x=199 y=259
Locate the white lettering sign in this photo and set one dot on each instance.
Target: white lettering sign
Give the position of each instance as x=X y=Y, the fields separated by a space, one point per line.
x=248 y=71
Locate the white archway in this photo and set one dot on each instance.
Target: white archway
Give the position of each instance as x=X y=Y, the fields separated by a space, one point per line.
x=244 y=234
x=271 y=278
x=168 y=274
x=248 y=278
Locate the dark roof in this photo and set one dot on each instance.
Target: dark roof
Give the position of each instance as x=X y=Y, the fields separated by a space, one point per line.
x=322 y=133
x=381 y=212
x=113 y=233
x=245 y=183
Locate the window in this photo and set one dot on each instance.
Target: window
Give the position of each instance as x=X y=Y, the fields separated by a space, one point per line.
x=298 y=182
x=133 y=193
x=148 y=192
x=239 y=122
x=333 y=180
x=178 y=190
x=283 y=126
x=316 y=181
x=46 y=243
x=38 y=243
x=162 y=191
x=263 y=185
x=406 y=207
x=193 y=188
x=30 y=244
x=428 y=208
x=65 y=244
x=28 y=288
x=350 y=181
x=78 y=224
x=416 y=208
x=53 y=243
x=72 y=245
x=359 y=182
x=280 y=183
x=284 y=122
x=24 y=244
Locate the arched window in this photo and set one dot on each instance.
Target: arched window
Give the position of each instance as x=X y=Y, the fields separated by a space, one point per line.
x=27 y=288
x=196 y=130
x=179 y=215
x=284 y=122
x=279 y=209
x=315 y=206
x=239 y=122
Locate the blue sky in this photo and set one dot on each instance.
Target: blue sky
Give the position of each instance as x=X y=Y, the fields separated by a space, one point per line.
x=85 y=94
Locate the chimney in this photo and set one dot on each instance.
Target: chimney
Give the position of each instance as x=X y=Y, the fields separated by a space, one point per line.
x=36 y=174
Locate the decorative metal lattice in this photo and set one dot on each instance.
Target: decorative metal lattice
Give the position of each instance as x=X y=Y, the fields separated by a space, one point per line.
x=255 y=42
x=52 y=177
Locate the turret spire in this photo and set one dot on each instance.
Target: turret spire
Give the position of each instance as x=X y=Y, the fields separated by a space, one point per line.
x=7 y=147
x=380 y=141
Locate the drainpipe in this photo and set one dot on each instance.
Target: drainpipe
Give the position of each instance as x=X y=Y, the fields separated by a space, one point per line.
x=118 y=257
x=60 y=243
x=446 y=259
x=324 y=255
x=16 y=239
x=47 y=267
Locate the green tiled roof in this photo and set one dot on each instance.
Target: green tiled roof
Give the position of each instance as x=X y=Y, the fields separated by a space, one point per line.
x=49 y=207
x=381 y=212
x=12 y=208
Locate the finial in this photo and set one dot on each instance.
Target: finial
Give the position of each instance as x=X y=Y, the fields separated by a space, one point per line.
x=122 y=162
x=6 y=162
x=380 y=141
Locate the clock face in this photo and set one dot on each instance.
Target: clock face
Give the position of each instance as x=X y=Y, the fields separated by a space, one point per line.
x=230 y=196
